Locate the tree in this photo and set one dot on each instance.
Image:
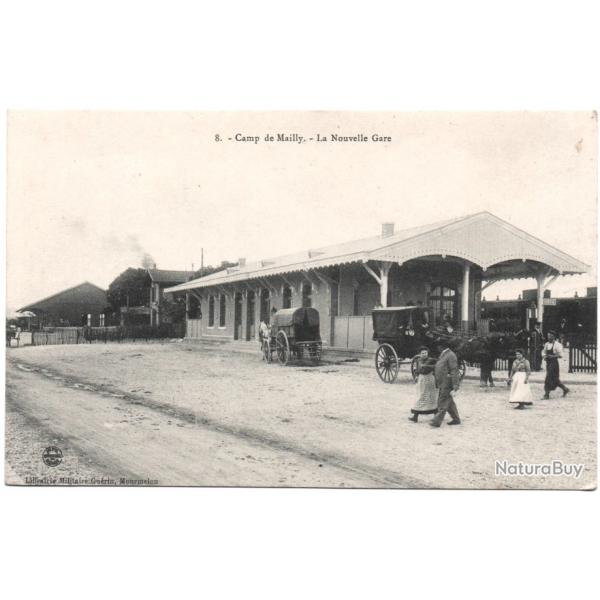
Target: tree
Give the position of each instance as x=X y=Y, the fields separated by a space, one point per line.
x=130 y=288
x=225 y=264
x=172 y=310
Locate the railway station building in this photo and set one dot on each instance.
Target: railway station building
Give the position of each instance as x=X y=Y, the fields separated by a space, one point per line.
x=444 y=266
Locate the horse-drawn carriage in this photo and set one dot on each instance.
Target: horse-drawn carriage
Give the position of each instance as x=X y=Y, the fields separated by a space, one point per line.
x=400 y=337
x=294 y=333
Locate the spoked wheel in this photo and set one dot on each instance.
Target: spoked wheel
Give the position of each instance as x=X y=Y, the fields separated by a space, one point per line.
x=462 y=368
x=282 y=348
x=315 y=352
x=266 y=350
x=414 y=367
x=386 y=363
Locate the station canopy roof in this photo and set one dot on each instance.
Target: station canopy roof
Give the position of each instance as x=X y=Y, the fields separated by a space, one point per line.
x=502 y=250
x=169 y=276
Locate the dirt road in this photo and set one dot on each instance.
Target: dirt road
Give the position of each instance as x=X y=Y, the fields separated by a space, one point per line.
x=170 y=414
x=115 y=437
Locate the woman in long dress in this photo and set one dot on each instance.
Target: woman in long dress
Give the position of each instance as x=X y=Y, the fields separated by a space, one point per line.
x=551 y=354
x=520 y=392
x=427 y=393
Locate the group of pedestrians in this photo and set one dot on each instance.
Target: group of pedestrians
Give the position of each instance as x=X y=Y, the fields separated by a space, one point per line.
x=438 y=381
x=551 y=353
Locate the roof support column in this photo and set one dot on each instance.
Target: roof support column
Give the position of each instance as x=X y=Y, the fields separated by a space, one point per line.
x=381 y=279
x=542 y=286
x=383 y=288
x=540 y=297
x=464 y=313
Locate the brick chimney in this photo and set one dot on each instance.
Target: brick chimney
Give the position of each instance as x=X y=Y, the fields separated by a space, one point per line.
x=387 y=229
x=241 y=262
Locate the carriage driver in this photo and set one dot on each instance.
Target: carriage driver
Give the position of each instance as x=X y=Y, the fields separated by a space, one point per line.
x=420 y=322
x=421 y=318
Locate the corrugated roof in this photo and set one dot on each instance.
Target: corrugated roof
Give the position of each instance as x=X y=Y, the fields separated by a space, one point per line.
x=404 y=245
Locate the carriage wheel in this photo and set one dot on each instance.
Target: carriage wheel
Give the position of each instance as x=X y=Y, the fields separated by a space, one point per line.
x=315 y=353
x=386 y=363
x=462 y=368
x=282 y=348
x=414 y=367
x=266 y=350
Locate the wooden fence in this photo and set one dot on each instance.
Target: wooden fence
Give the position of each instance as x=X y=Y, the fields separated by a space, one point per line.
x=500 y=364
x=89 y=335
x=58 y=335
x=582 y=358
x=354 y=333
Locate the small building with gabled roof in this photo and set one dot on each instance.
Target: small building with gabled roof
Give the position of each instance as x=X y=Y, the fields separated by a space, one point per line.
x=445 y=266
x=159 y=280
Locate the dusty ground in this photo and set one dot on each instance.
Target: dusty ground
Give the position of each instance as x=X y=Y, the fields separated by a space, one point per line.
x=177 y=414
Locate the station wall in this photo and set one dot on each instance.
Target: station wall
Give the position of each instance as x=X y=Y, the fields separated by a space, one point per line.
x=356 y=294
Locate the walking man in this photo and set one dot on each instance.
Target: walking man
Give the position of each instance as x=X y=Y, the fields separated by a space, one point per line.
x=447 y=381
x=552 y=353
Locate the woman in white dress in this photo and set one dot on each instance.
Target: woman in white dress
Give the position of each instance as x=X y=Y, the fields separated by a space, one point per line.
x=520 y=392
x=427 y=393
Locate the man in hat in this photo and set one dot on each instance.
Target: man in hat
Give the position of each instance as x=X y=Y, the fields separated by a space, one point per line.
x=562 y=332
x=447 y=381
x=537 y=343
x=551 y=354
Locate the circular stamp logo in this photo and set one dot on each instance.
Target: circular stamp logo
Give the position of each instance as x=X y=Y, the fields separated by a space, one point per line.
x=52 y=456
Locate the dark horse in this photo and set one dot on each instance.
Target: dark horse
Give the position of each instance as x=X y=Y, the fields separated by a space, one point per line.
x=481 y=350
x=484 y=350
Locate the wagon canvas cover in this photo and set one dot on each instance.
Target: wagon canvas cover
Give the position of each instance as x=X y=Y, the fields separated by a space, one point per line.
x=286 y=317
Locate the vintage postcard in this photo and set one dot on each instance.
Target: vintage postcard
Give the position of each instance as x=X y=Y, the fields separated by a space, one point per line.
x=302 y=299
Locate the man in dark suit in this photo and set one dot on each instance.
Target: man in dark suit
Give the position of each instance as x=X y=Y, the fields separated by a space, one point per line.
x=447 y=381
x=536 y=343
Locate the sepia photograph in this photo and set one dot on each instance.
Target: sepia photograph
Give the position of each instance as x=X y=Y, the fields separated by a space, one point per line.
x=302 y=299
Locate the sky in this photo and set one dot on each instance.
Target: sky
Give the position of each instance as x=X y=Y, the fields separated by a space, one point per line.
x=93 y=193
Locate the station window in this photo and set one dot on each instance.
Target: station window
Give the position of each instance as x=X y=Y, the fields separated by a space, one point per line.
x=287 y=297
x=194 y=309
x=211 y=311
x=442 y=300
x=222 y=310
x=306 y=295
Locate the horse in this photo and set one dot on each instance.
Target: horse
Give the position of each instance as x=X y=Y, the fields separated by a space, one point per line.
x=484 y=350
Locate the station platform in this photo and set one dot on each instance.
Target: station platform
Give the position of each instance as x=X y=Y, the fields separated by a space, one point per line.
x=362 y=359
